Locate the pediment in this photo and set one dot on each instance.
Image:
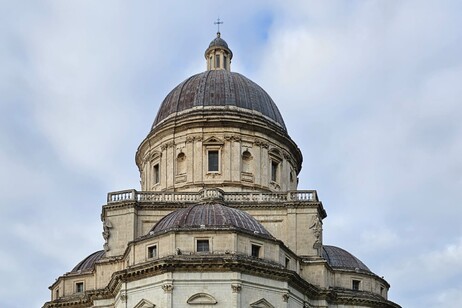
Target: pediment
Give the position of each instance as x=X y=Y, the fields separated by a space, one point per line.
x=201 y=299
x=153 y=155
x=262 y=303
x=275 y=152
x=213 y=141
x=144 y=304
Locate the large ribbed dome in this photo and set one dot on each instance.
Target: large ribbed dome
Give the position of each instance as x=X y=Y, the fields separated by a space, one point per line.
x=209 y=216
x=219 y=88
x=342 y=259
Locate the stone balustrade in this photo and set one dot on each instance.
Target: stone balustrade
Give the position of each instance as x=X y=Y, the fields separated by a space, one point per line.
x=212 y=193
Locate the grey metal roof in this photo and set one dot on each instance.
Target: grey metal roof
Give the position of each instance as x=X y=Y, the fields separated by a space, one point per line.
x=218 y=42
x=89 y=262
x=209 y=216
x=339 y=258
x=219 y=88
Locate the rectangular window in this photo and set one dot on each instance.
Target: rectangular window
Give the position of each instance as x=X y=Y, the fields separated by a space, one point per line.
x=356 y=284
x=256 y=251
x=78 y=287
x=274 y=171
x=287 y=262
x=225 y=62
x=152 y=251
x=213 y=161
x=156 y=175
x=202 y=245
x=217 y=61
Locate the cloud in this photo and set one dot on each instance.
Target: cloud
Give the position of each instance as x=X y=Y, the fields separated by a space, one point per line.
x=369 y=90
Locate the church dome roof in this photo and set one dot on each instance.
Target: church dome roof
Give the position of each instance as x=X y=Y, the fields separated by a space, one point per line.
x=218 y=42
x=89 y=262
x=209 y=216
x=219 y=88
x=339 y=258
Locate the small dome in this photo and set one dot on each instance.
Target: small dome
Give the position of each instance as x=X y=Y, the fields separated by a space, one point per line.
x=219 y=88
x=339 y=258
x=89 y=262
x=209 y=216
x=218 y=42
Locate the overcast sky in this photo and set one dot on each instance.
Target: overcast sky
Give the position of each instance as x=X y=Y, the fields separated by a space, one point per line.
x=369 y=90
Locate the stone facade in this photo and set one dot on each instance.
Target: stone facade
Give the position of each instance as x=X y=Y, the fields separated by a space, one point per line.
x=219 y=220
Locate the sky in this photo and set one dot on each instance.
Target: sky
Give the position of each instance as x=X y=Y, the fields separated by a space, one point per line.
x=369 y=90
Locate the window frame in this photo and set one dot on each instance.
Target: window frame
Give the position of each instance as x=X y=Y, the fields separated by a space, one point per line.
x=203 y=240
x=275 y=170
x=287 y=263
x=218 y=151
x=79 y=287
x=217 y=61
x=259 y=250
x=150 y=249
x=356 y=284
x=156 y=173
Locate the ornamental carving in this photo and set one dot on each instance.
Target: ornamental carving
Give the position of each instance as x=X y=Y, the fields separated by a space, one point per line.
x=235 y=138
x=167 y=145
x=285 y=297
x=262 y=144
x=152 y=155
x=106 y=233
x=316 y=226
x=167 y=287
x=190 y=139
x=236 y=288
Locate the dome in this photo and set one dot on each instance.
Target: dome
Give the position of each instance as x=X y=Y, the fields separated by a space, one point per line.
x=89 y=262
x=209 y=216
x=339 y=258
x=219 y=88
x=218 y=42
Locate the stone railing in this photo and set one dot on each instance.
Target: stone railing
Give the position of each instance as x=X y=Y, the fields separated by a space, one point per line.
x=211 y=193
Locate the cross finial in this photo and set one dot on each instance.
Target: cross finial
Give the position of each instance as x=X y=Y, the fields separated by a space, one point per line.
x=218 y=23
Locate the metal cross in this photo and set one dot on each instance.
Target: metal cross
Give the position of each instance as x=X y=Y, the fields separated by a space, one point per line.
x=218 y=23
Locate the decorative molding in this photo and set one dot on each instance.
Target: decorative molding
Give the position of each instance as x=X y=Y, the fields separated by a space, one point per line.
x=262 y=303
x=213 y=141
x=152 y=155
x=201 y=299
x=144 y=304
x=247 y=177
x=285 y=297
x=181 y=178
